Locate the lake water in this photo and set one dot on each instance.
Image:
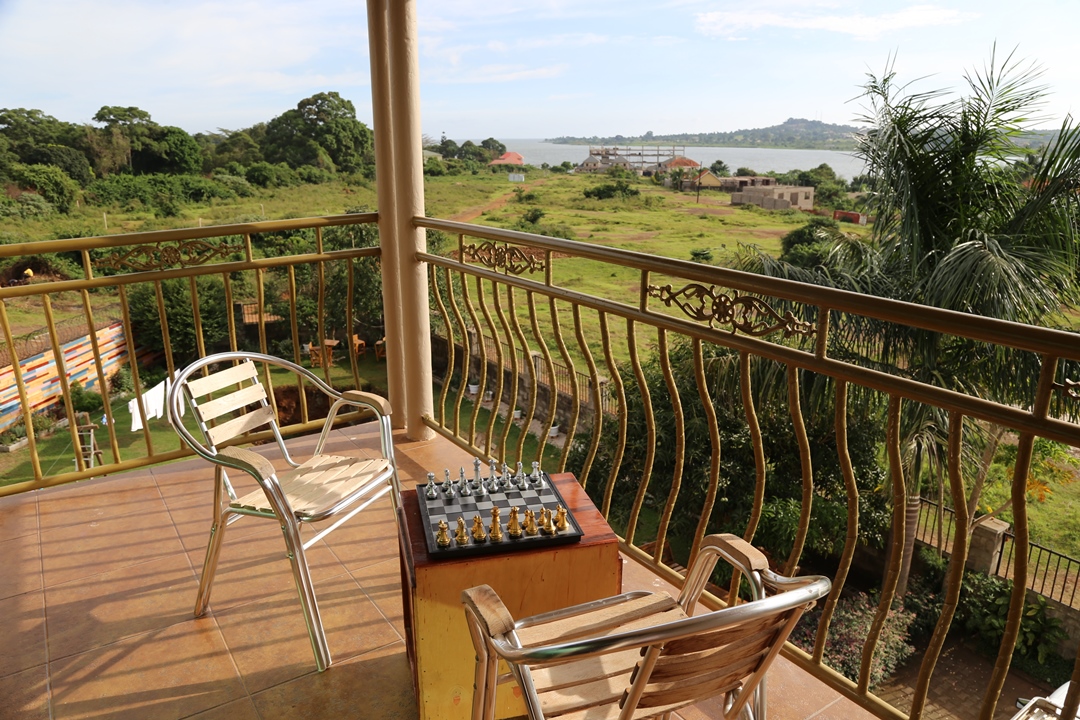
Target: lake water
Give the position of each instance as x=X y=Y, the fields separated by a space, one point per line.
x=762 y=160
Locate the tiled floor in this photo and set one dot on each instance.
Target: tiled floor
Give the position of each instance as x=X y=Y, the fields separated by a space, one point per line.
x=99 y=580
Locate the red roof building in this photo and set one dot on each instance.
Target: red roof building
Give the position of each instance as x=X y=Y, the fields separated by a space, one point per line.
x=508 y=158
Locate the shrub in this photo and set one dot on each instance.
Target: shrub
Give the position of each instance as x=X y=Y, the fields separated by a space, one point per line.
x=701 y=255
x=313 y=175
x=810 y=233
x=266 y=175
x=237 y=184
x=984 y=609
x=619 y=188
x=49 y=181
x=121 y=382
x=83 y=400
x=847 y=635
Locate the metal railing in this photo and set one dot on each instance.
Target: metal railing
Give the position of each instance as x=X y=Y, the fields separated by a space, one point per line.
x=1051 y=574
x=183 y=283
x=681 y=343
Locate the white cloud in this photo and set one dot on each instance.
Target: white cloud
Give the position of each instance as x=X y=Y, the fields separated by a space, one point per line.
x=504 y=73
x=735 y=23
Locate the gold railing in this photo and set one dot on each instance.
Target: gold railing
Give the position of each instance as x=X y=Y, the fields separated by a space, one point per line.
x=115 y=267
x=652 y=321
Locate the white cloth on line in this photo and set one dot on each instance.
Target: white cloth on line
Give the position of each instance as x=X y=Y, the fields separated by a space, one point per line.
x=153 y=404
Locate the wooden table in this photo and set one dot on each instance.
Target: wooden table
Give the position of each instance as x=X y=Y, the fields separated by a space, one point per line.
x=529 y=582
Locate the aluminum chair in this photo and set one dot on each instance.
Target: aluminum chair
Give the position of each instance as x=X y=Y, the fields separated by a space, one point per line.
x=642 y=654
x=230 y=402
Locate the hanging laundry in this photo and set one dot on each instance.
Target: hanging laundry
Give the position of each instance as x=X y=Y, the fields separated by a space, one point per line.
x=153 y=404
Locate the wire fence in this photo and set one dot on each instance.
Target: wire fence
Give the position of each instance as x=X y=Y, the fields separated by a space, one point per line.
x=1052 y=574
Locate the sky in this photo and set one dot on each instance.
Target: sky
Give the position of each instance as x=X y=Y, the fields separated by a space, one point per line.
x=523 y=68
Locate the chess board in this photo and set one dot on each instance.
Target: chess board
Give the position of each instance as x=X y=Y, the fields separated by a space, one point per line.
x=451 y=508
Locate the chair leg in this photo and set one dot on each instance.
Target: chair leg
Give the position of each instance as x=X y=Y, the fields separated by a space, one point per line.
x=306 y=590
x=213 y=549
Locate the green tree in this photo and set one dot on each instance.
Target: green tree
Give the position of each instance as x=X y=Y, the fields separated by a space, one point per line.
x=176 y=293
x=132 y=123
x=494 y=147
x=720 y=169
x=50 y=182
x=745 y=172
x=322 y=131
x=68 y=159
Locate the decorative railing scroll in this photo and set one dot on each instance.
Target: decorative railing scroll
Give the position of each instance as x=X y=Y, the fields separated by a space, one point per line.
x=745 y=313
x=163 y=255
x=508 y=258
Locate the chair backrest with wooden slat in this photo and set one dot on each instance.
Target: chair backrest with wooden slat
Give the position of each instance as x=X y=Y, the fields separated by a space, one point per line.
x=730 y=660
x=231 y=391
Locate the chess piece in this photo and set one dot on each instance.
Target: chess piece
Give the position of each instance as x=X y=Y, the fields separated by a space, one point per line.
x=493 y=478
x=477 y=480
x=495 y=531
x=520 y=480
x=461 y=535
x=448 y=485
x=442 y=538
x=534 y=477
x=507 y=479
x=560 y=519
x=463 y=483
x=431 y=490
x=546 y=525
x=530 y=522
x=513 y=525
x=478 y=533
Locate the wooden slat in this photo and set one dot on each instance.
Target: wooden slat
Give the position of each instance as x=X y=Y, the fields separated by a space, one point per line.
x=222 y=379
x=705 y=641
x=233 y=401
x=606 y=619
x=319 y=483
x=240 y=425
x=671 y=668
x=559 y=677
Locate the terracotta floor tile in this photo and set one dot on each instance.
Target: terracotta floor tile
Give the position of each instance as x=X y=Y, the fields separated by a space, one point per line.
x=18 y=516
x=23 y=645
x=25 y=695
x=368 y=538
x=236 y=710
x=101 y=609
x=98 y=499
x=254 y=566
x=382 y=583
x=269 y=639
x=347 y=690
x=22 y=565
x=169 y=673
x=102 y=545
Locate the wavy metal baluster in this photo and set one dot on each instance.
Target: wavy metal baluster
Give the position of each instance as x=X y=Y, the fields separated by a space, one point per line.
x=449 y=371
x=553 y=388
x=597 y=397
x=481 y=351
x=496 y=395
x=575 y=388
x=295 y=328
x=758 y=446
x=230 y=317
x=103 y=383
x=133 y=363
x=511 y=401
x=62 y=376
x=466 y=350
x=1020 y=541
x=892 y=572
x=852 y=539
x=680 y=445
x=795 y=405
x=350 y=299
x=530 y=414
x=714 y=444
x=650 y=430
x=956 y=565
x=321 y=267
x=620 y=395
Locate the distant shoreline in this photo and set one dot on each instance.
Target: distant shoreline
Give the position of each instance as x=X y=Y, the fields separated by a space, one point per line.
x=838 y=147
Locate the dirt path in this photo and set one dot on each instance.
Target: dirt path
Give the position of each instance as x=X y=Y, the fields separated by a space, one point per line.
x=476 y=211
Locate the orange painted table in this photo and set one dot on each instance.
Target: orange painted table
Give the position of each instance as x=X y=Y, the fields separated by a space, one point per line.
x=528 y=581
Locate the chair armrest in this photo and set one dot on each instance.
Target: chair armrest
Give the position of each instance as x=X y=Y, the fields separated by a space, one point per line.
x=358 y=397
x=490 y=612
x=738 y=550
x=248 y=461
x=740 y=554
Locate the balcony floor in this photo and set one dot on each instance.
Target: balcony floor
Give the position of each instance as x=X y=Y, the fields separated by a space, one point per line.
x=100 y=578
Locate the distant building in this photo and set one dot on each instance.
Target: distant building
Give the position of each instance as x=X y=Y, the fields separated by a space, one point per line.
x=508 y=158
x=602 y=162
x=704 y=179
x=738 y=183
x=776 y=197
x=676 y=163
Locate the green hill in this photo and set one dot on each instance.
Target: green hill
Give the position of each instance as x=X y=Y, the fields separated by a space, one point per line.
x=792 y=133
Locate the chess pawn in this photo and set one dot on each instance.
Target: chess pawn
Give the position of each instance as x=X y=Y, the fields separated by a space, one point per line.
x=431 y=490
x=493 y=478
x=442 y=538
x=478 y=533
x=513 y=525
x=534 y=477
x=507 y=478
x=520 y=480
x=560 y=519
x=463 y=482
x=495 y=531
x=530 y=522
x=448 y=485
x=462 y=536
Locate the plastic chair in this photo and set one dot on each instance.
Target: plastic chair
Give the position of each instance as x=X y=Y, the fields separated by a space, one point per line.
x=323 y=487
x=642 y=654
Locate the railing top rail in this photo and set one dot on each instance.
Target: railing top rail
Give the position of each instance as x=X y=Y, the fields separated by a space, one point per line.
x=1058 y=343
x=155 y=236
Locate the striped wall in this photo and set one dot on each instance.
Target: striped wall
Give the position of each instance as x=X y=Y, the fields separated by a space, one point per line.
x=43 y=381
